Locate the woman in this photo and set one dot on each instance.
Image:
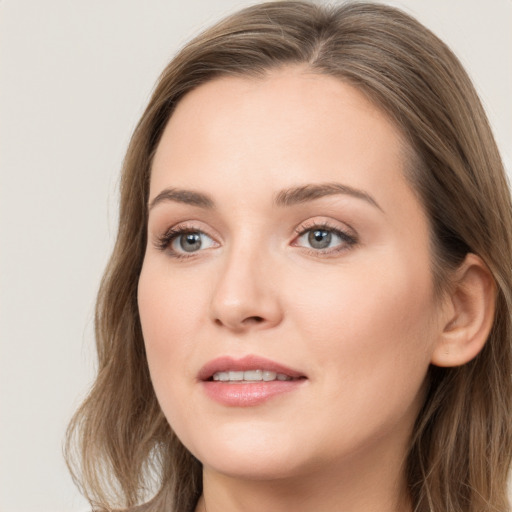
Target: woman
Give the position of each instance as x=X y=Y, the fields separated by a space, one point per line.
x=308 y=304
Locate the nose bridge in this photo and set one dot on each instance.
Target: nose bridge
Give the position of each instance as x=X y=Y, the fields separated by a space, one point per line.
x=244 y=295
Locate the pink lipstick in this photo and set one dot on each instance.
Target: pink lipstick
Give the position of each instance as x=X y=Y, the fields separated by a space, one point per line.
x=248 y=381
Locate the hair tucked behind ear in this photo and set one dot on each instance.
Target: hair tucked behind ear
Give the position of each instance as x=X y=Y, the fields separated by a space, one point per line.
x=460 y=451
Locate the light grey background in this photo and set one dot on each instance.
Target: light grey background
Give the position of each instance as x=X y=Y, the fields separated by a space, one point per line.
x=74 y=78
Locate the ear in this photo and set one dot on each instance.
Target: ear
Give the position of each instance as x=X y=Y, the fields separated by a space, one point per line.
x=468 y=314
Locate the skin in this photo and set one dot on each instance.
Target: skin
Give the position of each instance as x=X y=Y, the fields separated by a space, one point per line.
x=359 y=320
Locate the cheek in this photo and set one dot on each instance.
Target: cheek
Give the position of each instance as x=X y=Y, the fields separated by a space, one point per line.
x=352 y=303
x=169 y=304
x=166 y=317
x=169 y=311
x=368 y=335
x=372 y=326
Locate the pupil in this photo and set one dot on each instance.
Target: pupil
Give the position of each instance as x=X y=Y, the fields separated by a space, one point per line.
x=319 y=239
x=190 y=242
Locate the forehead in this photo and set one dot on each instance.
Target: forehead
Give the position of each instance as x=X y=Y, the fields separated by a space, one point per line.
x=288 y=128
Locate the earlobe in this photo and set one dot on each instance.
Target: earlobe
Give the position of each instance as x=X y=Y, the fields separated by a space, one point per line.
x=469 y=316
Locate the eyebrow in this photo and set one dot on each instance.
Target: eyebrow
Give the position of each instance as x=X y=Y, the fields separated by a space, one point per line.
x=182 y=196
x=288 y=197
x=305 y=193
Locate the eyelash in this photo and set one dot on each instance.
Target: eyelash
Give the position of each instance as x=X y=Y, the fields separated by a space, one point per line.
x=349 y=240
x=164 y=241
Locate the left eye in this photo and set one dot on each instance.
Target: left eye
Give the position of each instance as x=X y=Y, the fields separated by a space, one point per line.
x=322 y=238
x=191 y=241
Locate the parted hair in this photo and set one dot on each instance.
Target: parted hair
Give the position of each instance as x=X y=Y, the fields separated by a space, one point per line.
x=120 y=448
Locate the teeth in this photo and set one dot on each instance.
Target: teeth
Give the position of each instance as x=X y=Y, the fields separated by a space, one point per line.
x=250 y=376
x=253 y=375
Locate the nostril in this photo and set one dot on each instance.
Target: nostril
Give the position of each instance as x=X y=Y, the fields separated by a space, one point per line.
x=253 y=320
x=246 y=322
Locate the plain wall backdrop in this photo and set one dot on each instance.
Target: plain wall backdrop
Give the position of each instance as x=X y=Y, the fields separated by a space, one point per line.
x=74 y=79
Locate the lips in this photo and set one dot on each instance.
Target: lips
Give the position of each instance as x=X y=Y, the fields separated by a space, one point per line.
x=249 y=381
x=246 y=364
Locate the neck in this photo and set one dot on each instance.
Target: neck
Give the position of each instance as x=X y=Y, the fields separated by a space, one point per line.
x=354 y=488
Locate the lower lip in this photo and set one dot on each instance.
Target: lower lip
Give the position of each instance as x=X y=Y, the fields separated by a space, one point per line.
x=247 y=394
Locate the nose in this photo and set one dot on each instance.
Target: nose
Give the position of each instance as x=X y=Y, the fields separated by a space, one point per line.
x=246 y=293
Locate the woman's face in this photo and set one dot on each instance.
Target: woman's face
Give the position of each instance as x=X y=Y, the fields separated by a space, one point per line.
x=286 y=248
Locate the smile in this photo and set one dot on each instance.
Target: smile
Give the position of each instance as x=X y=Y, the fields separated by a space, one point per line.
x=250 y=376
x=249 y=381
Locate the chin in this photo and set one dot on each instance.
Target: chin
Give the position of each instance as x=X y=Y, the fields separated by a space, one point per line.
x=272 y=467
x=246 y=453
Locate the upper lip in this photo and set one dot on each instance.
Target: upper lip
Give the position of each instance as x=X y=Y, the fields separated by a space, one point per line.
x=250 y=362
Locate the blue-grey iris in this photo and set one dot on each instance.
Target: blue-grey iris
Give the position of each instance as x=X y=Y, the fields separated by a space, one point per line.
x=190 y=242
x=319 y=238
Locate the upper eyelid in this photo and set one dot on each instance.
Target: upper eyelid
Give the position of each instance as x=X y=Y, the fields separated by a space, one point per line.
x=196 y=225
x=332 y=225
x=190 y=226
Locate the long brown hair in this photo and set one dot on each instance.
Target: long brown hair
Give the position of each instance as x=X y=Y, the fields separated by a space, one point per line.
x=462 y=442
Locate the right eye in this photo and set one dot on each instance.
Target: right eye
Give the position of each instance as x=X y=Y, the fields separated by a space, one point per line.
x=184 y=241
x=191 y=241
